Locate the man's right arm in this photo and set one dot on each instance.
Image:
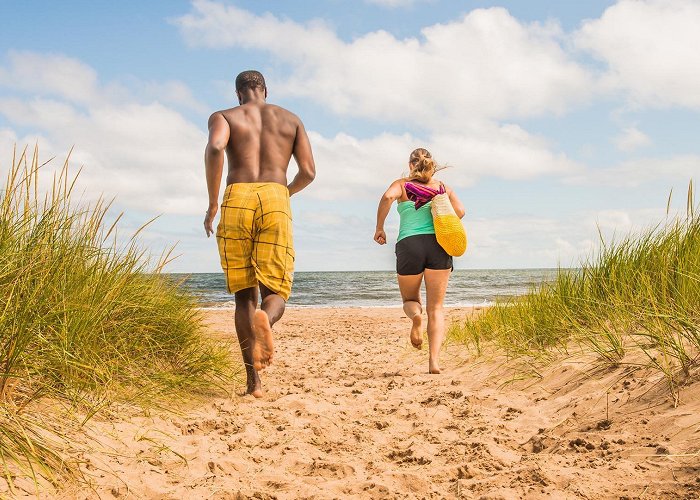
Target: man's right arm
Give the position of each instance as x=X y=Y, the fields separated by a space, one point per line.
x=305 y=161
x=219 y=133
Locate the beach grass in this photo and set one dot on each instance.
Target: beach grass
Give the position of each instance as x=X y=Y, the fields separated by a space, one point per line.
x=637 y=298
x=86 y=320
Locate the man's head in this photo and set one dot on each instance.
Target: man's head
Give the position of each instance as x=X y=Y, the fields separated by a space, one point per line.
x=249 y=82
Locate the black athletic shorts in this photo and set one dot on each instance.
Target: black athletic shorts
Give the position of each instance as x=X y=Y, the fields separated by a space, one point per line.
x=416 y=253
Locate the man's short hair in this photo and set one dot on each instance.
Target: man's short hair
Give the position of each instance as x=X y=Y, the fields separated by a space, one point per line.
x=250 y=79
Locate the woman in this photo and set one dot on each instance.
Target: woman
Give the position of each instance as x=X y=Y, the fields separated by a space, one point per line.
x=418 y=253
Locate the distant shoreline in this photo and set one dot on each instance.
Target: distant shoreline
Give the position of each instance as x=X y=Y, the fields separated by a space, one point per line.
x=375 y=289
x=456 y=269
x=475 y=307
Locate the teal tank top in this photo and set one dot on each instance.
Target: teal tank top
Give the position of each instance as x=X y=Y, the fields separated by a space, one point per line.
x=412 y=221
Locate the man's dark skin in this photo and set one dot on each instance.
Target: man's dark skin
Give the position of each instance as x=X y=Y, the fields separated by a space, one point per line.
x=259 y=140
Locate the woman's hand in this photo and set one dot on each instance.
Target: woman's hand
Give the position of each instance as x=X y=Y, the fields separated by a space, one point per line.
x=392 y=194
x=380 y=236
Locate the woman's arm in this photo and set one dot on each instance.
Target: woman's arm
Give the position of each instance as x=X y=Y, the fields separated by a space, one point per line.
x=456 y=204
x=392 y=194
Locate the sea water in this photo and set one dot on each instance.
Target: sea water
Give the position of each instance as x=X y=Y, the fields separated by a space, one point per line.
x=376 y=288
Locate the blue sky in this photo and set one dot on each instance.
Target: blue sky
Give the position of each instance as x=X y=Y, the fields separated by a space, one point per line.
x=557 y=118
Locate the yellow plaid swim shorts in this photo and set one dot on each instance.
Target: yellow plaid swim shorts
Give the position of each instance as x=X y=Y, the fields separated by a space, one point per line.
x=255 y=237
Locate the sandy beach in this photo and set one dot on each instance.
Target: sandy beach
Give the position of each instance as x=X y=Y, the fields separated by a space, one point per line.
x=351 y=412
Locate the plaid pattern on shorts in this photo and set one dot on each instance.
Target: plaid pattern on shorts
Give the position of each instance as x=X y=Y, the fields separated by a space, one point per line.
x=255 y=237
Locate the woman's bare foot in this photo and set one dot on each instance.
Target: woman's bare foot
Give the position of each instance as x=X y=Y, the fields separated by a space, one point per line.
x=263 y=350
x=433 y=367
x=417 y=331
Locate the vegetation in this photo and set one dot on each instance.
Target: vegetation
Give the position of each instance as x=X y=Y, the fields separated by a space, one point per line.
x=638 y=295
x=84 y=321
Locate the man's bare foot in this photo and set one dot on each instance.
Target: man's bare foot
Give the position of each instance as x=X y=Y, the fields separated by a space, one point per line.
x=416 y=331
x=253 y=385
x=263 y=350
x=258 y=393
x=433 y=367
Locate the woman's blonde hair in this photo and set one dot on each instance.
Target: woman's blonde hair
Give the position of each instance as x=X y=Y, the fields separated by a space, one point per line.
x=422 y=164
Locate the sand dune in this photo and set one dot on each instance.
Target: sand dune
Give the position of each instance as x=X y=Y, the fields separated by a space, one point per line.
x=351 y=412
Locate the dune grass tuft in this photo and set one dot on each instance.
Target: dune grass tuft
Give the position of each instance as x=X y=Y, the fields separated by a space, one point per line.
x=637 y=295
x=84 y=320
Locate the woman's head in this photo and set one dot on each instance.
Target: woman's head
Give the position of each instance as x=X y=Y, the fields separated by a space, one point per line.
x=422 y=165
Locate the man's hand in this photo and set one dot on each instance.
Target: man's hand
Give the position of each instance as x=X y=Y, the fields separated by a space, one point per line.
x=380 y=236
x=209 y=220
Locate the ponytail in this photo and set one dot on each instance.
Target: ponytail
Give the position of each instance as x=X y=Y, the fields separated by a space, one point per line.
x=423 y=166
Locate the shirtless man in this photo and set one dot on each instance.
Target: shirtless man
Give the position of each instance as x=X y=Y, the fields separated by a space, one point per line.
x=254 y=234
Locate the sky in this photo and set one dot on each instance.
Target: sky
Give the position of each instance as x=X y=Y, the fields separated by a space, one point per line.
x=560 y=121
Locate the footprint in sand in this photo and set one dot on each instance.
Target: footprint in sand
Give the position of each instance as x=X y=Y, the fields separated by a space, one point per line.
x=262 y=353
x=328 y=470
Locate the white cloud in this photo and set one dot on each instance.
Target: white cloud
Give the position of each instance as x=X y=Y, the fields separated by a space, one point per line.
x=651 y=49
x=535 y=241
x=170 y=92
x=328 y=238
x=146 y=154
x=485 y=65
x=348 y=167
x=511 y=240
x=633 y=173
x=54 y=75
x=503 y=151
x=631 y=139
x=612 y=220
x=71 y=80
x=8 y=140
x=524 y=241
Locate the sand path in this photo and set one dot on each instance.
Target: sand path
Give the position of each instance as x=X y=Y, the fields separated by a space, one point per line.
x=344 y=417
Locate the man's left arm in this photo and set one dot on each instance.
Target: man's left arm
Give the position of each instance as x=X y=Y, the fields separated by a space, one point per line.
x=219 y=133
x=305 y=161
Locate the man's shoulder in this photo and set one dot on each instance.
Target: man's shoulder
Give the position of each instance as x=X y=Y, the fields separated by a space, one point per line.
x=217 y=118
x=232 y=116
x=279 y=110
x=222 y=113
x=227 y=112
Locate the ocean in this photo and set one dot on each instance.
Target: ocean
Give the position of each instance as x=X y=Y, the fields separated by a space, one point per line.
x=376 y=288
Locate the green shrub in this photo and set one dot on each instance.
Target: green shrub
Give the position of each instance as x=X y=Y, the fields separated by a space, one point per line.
x=84 y=320
x=641 y=294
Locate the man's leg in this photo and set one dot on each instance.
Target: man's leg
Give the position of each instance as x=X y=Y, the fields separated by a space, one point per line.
x=274 y=263
x=246 y=301
x=272 y=304
x=271 y=310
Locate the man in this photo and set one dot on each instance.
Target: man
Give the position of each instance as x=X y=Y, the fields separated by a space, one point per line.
x=255 y=229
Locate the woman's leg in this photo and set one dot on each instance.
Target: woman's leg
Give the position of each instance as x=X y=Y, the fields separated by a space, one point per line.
x=409 y=285
x=435 y=288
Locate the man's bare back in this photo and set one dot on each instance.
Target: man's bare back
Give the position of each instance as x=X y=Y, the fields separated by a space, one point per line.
x=261 y=142
x=258 y=139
